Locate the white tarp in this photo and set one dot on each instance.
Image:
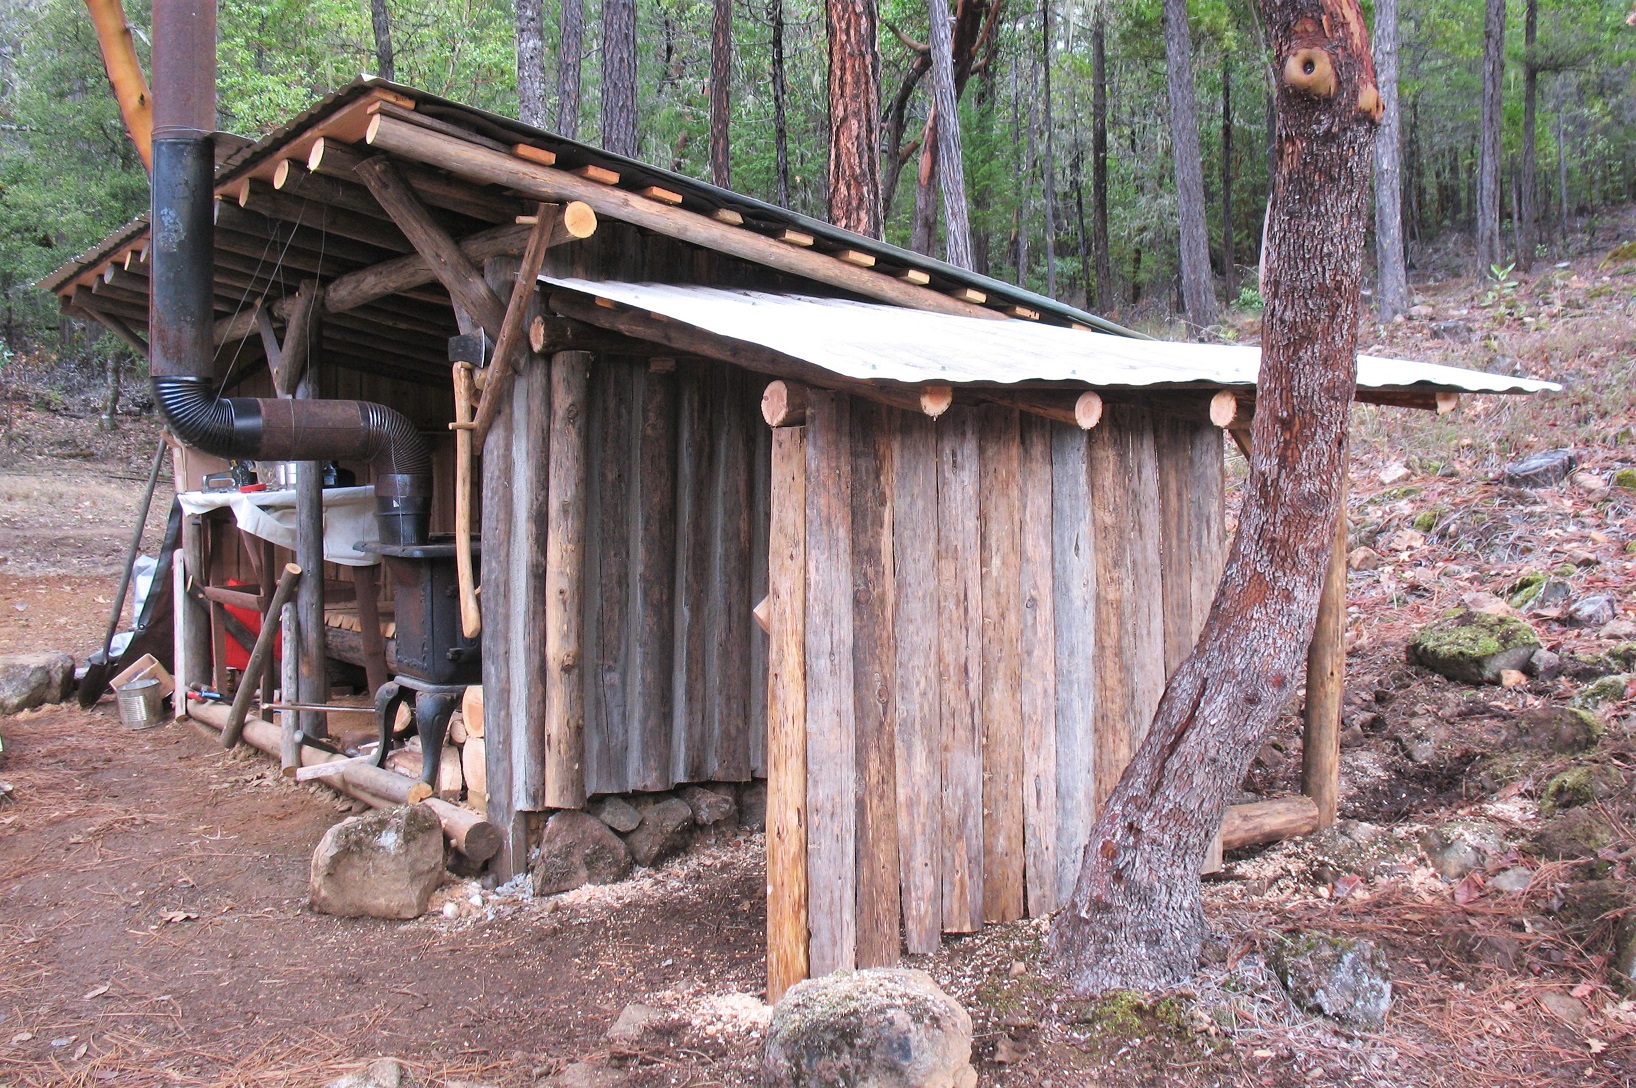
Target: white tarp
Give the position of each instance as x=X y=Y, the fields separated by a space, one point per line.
x=889 y=343
x=349 y=518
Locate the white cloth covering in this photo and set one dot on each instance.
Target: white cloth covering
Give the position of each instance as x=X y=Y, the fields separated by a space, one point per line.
x=349 y=518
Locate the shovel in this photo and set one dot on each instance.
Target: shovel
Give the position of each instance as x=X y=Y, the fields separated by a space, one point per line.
x=98 y=665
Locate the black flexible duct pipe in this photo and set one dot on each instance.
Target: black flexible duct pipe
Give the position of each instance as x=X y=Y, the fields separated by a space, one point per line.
x=182 y=314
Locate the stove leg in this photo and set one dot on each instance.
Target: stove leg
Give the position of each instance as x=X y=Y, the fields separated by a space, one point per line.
x=432 y=713
x=387 y=700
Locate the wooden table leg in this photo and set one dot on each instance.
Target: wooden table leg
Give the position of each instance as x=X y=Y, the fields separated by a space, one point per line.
x=367 y=581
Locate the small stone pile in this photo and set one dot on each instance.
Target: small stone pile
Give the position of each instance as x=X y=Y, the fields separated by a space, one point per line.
x=616 y=833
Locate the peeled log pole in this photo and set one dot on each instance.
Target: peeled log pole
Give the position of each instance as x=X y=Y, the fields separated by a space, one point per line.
x=1267 y=822
x=467 y=831
x=1136 y=920
x=259 y=656
x=565 y=581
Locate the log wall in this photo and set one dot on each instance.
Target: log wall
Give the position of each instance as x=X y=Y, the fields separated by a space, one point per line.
x=992 y=605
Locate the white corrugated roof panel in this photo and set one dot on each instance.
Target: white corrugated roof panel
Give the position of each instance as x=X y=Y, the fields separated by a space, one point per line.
x=868 y=341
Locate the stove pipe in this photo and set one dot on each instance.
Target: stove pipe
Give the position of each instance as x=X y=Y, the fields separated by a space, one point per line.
x=182 y=313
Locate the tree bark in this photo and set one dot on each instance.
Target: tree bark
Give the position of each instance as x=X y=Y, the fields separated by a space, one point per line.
x=569 y=49
x=1229 y=271
x=1136 y=918
x=1048 y=171
x=1528 y=225
x=854 y=116
x=530 y=63
x=951 y=157
x=781 y=126
x=619 y=77
x=1392 y=276
x=1488 y=140
x=1198 y=293
x=721 y=76
x=380 y=22
x=1099 y=159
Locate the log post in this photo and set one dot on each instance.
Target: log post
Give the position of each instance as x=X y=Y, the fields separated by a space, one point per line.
x=565 y=581
x=787 y=716
x=1326 y=679
x=312 y=684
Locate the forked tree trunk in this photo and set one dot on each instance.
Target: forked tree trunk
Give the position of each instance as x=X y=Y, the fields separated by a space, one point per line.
x=854 y=116
x=619 y=77
x=721 y=76
x=1488 y=140
x=1392 y=275
x=530 y=63
x=1198 y=292
x=1136 y=919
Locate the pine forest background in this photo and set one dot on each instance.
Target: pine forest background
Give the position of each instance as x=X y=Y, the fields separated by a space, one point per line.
x=1030 y=76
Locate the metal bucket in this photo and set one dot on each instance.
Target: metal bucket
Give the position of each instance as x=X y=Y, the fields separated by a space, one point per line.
x=140 y=704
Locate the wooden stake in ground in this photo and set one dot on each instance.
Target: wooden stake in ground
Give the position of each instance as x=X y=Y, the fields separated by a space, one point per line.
x=1136 y=919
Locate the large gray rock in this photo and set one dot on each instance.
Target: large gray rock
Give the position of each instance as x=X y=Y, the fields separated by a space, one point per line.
x=1473 y=647
x=382 y=864
x=31 y=680
x=1541 y=469
x=665 y=831
x=886 y=1027
x=1344 y=980
x=1564 y=729
x=1592 y=611
x=578 y=849
x=616 y=812
x=1456 y=848
x=710 y=807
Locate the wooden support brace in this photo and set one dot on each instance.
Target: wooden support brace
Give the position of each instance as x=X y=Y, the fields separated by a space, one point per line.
x=1326 y=680
x=512 y=339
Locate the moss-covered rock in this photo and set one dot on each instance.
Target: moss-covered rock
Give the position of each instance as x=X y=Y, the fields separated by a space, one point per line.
x=1609 y=689
x=1625 y=478
x=1425 y=521
x=1525 y=589
x=1474 y=647
x=1343 y=979
x=1565 y=729
x=1580 y=784
x=1577 y=833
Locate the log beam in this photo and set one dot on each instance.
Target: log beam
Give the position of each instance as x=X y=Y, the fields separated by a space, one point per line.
x=1267 y=822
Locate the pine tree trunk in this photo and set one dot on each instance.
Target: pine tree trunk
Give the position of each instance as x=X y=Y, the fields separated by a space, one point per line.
x=569 y=50
x=1392 y=275
x=619 y=77
x=1561 y=174
x=1048 y=173
x=1198 y=291
x=380 y=22
x=781 y=126
x=1488 y=140
x=721 y=77
x=1229 y=269
x=1085 y=275
x=1528 y=225
x=854 y=116
x=951 y=162
x=1136 y=919
x=530 y=63
x=1099 y=160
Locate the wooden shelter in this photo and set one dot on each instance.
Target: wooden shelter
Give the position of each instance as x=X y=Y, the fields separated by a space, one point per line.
x=980 y=531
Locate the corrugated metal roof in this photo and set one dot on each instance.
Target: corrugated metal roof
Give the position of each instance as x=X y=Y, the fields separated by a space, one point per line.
x=873 y=342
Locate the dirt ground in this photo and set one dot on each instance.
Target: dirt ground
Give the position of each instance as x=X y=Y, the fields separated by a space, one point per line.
x=153 y=918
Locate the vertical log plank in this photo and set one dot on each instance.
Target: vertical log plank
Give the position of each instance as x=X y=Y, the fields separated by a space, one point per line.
x=960 y=653
x=872 y=675
x=787 y=715
x=611 y=440
x=1111 y=523
x=1208 y=491
x=530 y=398
x=1326 y=680
x=1000 y=508
x=653 y=579
x=917 y=690
x=1144 y=617
x=691 y=635
x=1179 y=547
x=832 y=767
x=1038 y=648
x=498 y=725
x=760 y=519
x=1077 y=645
x=727 y=670
x=565 y=582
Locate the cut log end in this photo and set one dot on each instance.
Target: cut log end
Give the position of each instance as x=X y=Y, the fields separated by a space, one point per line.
x=1447 y=402
x=784 y=404
x=578 y=219
x=419 y=792
x=1224 y=408
x=936 y=399
x=1088 y=409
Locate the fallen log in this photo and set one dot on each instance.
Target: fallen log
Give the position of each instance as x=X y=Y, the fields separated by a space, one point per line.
x=467 y=831
x=1268 y=821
